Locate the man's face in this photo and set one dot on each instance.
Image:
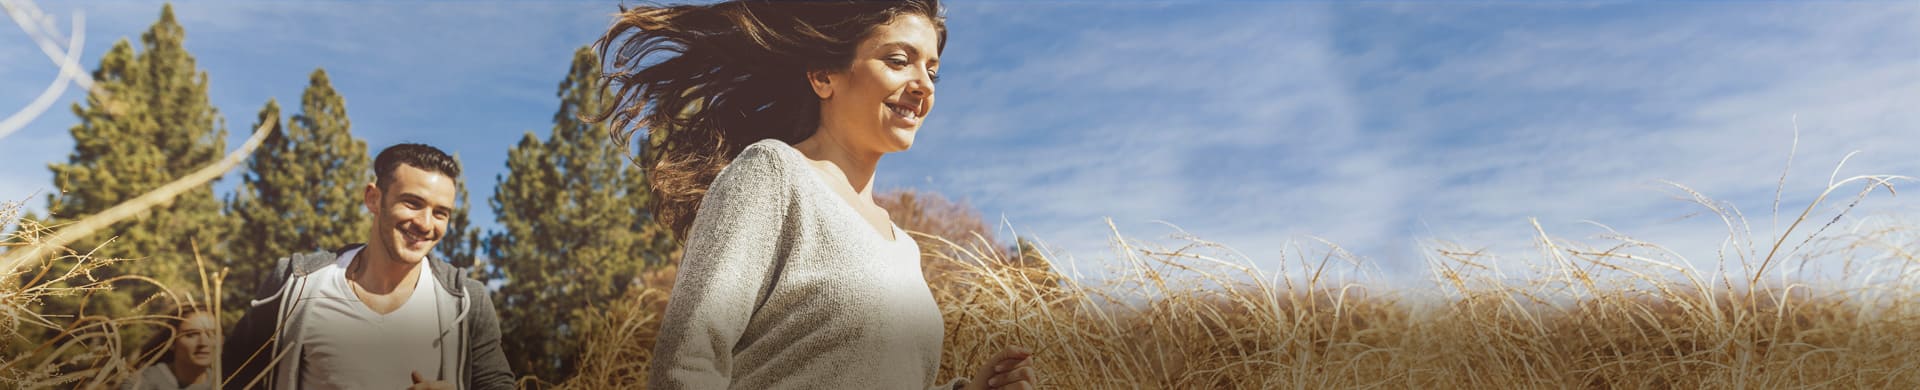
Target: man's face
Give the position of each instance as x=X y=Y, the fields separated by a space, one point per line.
x=410 y=216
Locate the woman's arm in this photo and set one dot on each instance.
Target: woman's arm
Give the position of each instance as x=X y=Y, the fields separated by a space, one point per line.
x=725 y=273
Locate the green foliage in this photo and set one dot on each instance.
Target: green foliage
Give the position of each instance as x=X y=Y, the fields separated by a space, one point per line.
x=462 y=241
x=575 y=231
x=147 y=122
x=302 y=190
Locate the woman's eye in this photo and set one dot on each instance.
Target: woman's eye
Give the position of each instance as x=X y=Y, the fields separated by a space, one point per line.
x=933 y=75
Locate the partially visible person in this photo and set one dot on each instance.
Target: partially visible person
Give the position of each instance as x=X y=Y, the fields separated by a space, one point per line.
x=381 y=315
x=186 y=353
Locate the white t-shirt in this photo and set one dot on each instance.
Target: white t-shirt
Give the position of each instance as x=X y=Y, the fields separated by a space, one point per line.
x=348 y=346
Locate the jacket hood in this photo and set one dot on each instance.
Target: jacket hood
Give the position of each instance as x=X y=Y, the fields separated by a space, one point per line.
x=448 y=277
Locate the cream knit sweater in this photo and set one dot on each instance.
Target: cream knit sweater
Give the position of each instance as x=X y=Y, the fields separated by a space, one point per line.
x=783 y=285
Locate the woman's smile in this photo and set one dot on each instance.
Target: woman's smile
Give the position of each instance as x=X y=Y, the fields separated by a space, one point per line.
x=907 y=114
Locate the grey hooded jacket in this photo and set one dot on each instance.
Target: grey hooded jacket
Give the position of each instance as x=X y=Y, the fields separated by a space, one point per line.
x=257 y=354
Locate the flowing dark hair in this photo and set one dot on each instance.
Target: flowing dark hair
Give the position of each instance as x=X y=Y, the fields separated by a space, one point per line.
x=701 y=82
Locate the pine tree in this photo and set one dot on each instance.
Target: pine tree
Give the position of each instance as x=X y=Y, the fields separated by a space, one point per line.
x=574 y=231
x=262 y=188
x=148 y=122
x=302 y=189
x=461 y=244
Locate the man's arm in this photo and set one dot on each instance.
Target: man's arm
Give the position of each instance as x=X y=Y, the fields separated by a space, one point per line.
x=245 y=355
x=486 y=364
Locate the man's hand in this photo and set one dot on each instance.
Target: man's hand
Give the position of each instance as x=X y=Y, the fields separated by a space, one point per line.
x=420 y=383
x=1009 y=370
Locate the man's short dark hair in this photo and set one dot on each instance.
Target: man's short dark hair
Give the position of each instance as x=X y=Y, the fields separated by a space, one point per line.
x=421 y=156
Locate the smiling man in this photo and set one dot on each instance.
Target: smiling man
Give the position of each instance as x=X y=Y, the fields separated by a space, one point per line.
x=380 y=315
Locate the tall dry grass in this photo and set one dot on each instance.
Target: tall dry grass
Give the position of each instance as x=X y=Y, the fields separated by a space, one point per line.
x=1615 y=313
x=82 y=349
x=76 y=350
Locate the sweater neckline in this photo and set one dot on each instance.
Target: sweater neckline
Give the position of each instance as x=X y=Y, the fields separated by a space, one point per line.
x=847 y=210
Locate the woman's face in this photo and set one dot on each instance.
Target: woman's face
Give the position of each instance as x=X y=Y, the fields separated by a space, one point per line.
x=194 y=339
x=878 y=103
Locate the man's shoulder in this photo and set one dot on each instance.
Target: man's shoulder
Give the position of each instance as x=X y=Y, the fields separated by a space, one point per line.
x=297 y=265
x=453 y=278
x=307 y=262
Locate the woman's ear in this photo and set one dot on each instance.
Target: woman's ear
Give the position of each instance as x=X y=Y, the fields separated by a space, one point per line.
x=822 y=84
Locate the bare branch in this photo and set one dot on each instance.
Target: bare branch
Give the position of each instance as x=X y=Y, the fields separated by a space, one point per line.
x=135 y=206
x=69 y=70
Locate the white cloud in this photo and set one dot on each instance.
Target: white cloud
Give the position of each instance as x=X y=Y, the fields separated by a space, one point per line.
x=1199 y=122
x=1700 y=98
x=1262 y=123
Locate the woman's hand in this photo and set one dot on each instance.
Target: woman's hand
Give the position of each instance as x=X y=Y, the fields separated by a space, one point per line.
x=420 y=383
x=1009 y=370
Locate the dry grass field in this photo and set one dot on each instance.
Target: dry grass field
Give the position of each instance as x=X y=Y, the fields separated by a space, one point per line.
x=1620 y=313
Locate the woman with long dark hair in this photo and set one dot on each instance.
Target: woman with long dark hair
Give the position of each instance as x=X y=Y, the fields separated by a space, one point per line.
x=184 y=352
x=763 y=123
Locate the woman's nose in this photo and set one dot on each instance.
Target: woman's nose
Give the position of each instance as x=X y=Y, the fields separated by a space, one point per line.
x=921 y=87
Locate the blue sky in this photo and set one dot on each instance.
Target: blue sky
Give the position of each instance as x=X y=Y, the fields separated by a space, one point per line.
x=1382 y=127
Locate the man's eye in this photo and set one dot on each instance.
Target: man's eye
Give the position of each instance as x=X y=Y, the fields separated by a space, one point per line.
x=934 y=75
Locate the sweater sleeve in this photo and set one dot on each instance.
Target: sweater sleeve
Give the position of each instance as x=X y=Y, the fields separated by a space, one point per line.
x=955 y=384
x=726 y=272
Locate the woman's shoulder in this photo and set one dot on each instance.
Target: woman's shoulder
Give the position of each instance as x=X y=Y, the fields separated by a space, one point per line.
x=769 y=149
x=764 y=160
x=758 y=179
x=763 y=166
x=156 y=376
